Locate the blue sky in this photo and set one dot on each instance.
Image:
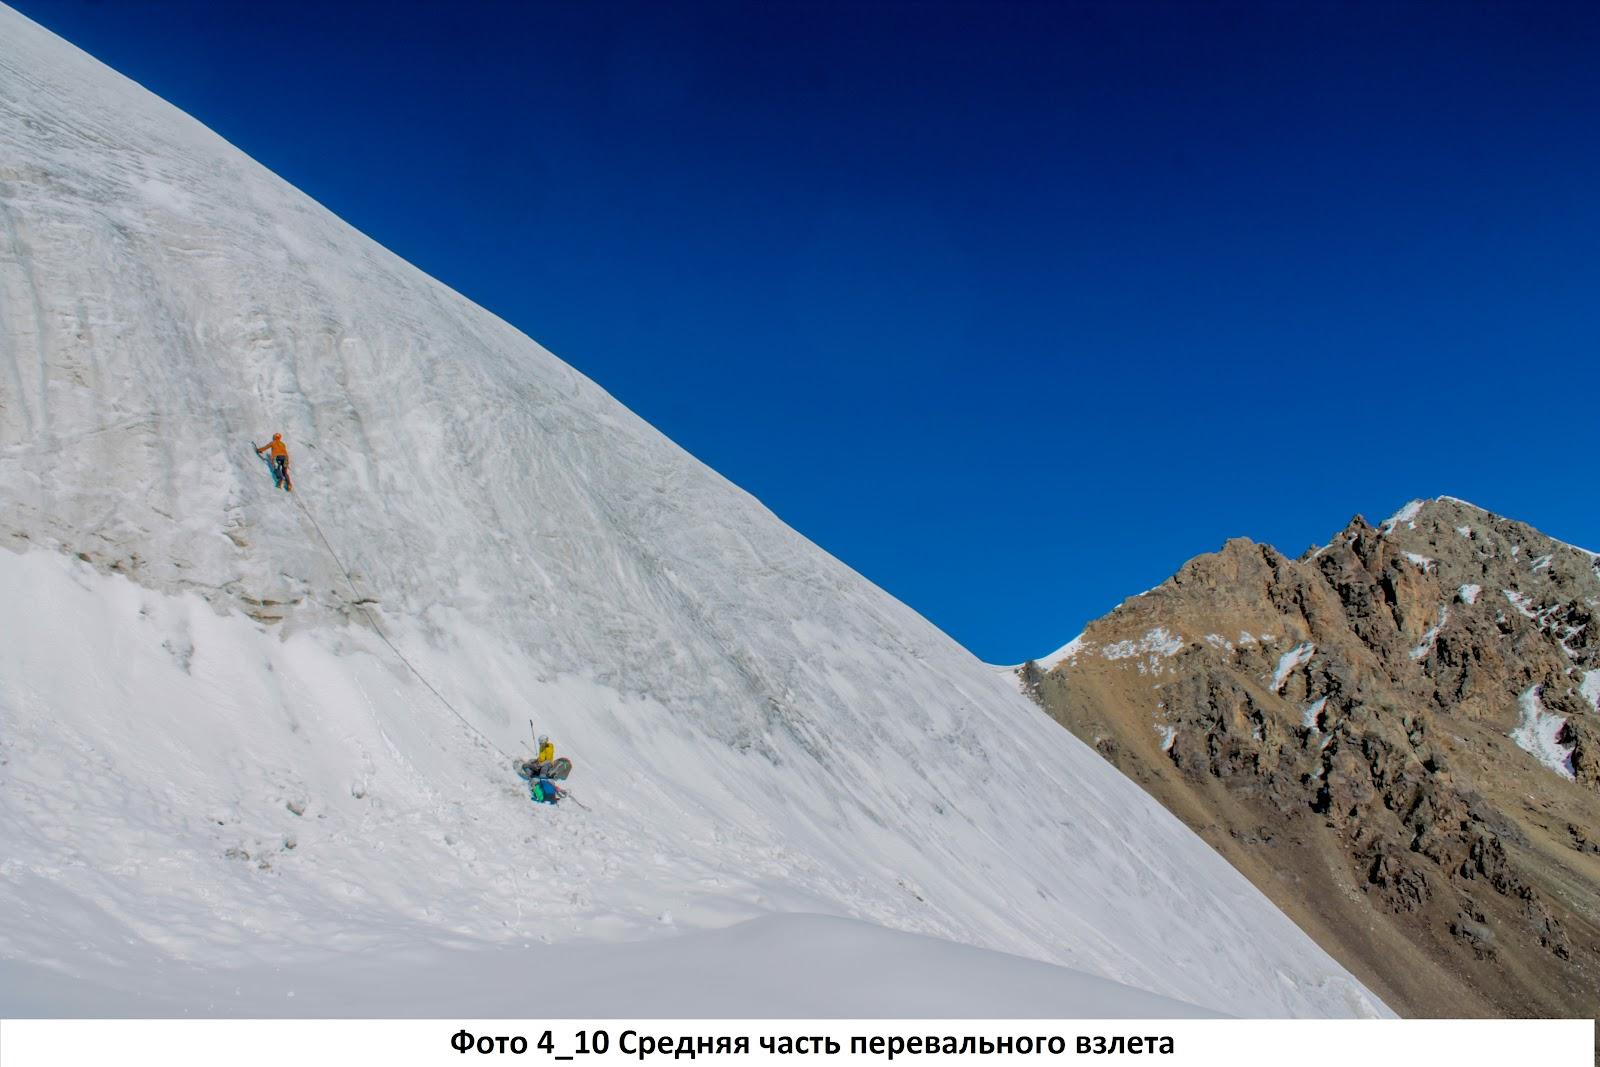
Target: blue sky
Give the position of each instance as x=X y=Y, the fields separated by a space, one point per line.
x=1012 y=307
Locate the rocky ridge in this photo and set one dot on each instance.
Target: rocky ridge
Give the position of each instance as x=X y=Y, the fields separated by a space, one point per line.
x=1396 y=737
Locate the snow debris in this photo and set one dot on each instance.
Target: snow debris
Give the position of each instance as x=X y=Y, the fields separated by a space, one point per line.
x=1289 y=662
x=1468 y=594
x=1157 y=642
x=1545 y=619
x=1217 y=641
x=1432 y=636
x=1541 y=563
x=1245 y=638
x=1155 y=646
x=1524 y=604
x=1539 y=731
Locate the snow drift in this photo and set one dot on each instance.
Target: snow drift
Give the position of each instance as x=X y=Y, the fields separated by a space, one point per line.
x=214 y=761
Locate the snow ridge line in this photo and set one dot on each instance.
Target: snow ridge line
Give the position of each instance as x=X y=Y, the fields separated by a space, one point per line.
x=401 y=656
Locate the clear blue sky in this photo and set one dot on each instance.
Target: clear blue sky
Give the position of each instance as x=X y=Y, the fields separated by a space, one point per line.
x=1012 y=307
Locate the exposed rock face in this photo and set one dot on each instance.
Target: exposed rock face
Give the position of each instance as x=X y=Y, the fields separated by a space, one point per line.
x=1396 y=737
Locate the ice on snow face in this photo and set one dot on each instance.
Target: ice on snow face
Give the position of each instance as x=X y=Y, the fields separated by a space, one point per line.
x=757 y=729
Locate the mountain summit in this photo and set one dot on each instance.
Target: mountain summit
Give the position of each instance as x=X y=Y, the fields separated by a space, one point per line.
x=1396 y=736
x=252 y=739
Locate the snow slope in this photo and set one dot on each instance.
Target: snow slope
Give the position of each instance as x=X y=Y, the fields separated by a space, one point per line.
x=812 y=966
x=212 y=757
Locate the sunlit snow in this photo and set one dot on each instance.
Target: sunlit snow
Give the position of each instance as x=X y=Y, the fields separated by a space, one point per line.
x=1290 y=662
x=222 y=784
x=1406 y=515
x=1539 y=731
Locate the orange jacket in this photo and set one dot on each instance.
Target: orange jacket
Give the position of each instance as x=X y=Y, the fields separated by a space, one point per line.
x=275 y=448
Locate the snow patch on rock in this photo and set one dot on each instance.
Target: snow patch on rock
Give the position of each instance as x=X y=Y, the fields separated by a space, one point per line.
x=1539 y=733
x=1312 y=715
x=1525 y=606
x=1154 y=646
x=1425 y=646
x=1158 y=642
x=1407 y=515
x=1291 y=661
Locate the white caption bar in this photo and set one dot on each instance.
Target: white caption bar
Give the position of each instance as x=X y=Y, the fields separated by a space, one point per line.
x=712 y=1043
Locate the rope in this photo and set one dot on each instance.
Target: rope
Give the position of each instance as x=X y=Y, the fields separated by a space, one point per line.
x=401 y=656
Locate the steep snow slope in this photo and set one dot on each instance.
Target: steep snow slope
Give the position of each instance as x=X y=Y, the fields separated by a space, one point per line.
x=212 y=760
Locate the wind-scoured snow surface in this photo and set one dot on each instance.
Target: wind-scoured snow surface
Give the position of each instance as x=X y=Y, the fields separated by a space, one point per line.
x=218 y=785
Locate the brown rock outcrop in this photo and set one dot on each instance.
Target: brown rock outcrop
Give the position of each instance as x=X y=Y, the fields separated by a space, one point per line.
x=1394 y=736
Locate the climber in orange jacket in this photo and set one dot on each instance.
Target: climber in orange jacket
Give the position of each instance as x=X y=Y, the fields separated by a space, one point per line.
x=279 y=461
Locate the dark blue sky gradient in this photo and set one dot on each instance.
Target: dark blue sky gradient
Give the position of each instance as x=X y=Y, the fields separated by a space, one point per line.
x=1012 y=307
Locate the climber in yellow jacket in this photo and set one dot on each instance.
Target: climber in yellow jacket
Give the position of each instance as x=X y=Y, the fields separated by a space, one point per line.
x=543 y=769
x=541 y=764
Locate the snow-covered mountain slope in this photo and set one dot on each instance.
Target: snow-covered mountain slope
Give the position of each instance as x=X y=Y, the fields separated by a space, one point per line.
x=811 y=966
x=214 y=758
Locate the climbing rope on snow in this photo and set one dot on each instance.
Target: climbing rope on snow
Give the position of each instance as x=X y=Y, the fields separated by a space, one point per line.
x=401 y=656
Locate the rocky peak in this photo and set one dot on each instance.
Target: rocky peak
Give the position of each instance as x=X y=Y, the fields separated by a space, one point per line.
x=1403 y=723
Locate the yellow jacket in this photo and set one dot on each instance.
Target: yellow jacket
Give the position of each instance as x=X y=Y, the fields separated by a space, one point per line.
x=548 y=752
